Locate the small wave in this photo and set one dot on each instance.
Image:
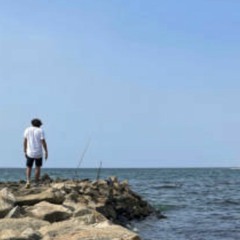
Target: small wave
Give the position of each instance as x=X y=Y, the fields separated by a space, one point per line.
x=168 y=207
x=227 y=202
x=230 y=202
x=168 y=185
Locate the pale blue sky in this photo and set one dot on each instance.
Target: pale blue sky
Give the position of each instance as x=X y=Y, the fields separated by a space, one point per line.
x=154 y=83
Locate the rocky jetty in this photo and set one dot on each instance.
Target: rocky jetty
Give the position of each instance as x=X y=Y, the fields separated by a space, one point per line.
x=70 y=209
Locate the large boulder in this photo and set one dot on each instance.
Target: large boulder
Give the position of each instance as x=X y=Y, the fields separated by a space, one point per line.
x=88 y=216
x=21 y=228
x=49 y=212
x=50 y=195
x=27 y=234
x=7 y=201
x=72 y=230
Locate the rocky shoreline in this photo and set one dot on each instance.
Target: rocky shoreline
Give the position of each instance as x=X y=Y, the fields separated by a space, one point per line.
x=70 y=210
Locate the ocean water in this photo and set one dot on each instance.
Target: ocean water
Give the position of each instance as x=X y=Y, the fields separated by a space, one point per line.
x=200 y=204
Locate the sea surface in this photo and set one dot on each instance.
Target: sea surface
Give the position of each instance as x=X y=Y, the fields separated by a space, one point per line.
x=200 y=204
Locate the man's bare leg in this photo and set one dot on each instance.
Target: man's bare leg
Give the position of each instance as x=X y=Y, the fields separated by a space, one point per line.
x=37 y=173
x=28 y=175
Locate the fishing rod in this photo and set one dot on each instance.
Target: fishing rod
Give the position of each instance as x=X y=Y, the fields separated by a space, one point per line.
x=99 y=171
x=82 y=157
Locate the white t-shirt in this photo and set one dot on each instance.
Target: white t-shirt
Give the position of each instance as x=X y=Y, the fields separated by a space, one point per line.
x=34 y=135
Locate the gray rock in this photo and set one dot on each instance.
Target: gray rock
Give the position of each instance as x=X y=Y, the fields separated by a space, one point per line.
x=21 y=228
x=49 y=212
x=73 y=230
x=50 y=195
x=113 y=179
x=14 y=213
x=7 y=201
x=88 y=216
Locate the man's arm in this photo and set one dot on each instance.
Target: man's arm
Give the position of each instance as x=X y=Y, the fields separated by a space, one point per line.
x=44 y=144
x=25 y=146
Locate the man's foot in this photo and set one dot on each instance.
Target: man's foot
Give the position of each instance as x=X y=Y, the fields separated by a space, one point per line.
x=28 y=185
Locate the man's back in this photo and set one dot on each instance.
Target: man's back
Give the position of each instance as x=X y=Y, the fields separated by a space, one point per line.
x=34 y=136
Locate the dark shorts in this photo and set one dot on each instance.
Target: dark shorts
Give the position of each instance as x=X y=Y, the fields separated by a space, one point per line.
x=30 y=161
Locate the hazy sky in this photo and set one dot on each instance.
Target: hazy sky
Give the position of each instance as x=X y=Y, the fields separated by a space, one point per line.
x=152 y=83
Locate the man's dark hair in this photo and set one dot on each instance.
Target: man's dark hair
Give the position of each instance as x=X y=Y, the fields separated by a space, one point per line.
x=36 y=122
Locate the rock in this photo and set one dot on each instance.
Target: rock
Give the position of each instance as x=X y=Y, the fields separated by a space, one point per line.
x=27 y=234
x=46 y=179
x=66 y=186
x=131 y=207
x=72 y=230
x=7 y=201
x=21 y=181
x=113 y=179
x=73 y=204
x=14 y=213
x=125 y=183
x=49 y=196
x=21 y=228
x=107 y=210
x=81 y=211
x=73 y=196
x=30 y=234
x=49 y=212
x=88 y=216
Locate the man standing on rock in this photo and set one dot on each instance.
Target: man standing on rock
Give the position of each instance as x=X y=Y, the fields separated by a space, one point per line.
x=34 y=143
